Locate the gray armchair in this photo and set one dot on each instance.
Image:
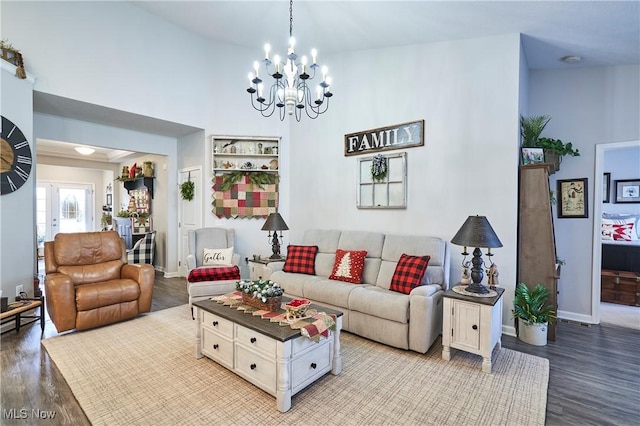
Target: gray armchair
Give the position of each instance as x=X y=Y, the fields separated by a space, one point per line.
x=198 y=286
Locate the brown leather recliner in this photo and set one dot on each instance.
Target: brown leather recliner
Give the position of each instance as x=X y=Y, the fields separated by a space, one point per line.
x=88 y=282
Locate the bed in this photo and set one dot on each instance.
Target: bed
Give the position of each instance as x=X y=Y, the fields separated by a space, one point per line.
x=620 y=275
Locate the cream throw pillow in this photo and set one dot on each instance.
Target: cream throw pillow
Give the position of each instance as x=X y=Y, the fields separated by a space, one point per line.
x=213 y=257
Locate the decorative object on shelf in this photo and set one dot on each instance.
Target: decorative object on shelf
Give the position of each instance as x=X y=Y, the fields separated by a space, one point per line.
x=147 y=169
x=275 y=223
x=258 y=179
x=248 y=165
x=291 y=93
x=125 y=173
x=573 y=198
x=14 y=57
x=296 y=309
x=532 y=155
x=15 y=156
x=379 y=168
x=261 y=294
x=133 y=170
x=476 y=232
x=627 y=191
x=554 y=149
x=534 y=314
x=273 y=164
x=398 y=136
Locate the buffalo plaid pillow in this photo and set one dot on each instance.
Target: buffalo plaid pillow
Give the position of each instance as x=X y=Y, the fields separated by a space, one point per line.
x=301 y=259
x=409 y=272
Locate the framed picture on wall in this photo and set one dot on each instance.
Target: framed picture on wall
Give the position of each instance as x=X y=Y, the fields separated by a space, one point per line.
x=606 y=187
x=628 y=191
x=532 y=156
x=572 y=196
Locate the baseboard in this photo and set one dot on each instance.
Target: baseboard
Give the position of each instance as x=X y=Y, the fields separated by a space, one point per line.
x=509 y=330
x=173 y=274
x=571 y=316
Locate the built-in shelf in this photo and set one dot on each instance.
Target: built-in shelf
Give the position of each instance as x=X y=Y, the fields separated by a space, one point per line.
x=139 y=183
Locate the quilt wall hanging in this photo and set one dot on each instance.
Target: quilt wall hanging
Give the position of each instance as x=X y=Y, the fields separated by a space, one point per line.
x=245 y=195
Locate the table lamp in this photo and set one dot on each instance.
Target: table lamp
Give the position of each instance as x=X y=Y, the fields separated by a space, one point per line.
x=476 y=232
x=275 y=223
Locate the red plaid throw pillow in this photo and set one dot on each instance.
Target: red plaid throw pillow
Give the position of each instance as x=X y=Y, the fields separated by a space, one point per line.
x=301 y=259
x=214 y=273
x=348 y=266
x=409 y=272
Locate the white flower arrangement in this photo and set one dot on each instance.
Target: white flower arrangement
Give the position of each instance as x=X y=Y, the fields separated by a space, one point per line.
x=260 y=289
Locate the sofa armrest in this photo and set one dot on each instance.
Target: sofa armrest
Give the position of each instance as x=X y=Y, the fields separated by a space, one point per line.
x=144 y=274
x=425 y=290
x=191 y=262
x=270 y=268
x=61 y=301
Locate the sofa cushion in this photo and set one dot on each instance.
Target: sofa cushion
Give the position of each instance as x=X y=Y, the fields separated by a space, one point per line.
x=331 y=292
x=293 y=284
x=301 y=259
x=348 y=266
x=106 y=293
x=409 y=272
x=381 y=303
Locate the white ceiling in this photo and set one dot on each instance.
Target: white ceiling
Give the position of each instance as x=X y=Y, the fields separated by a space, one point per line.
x=602 y=33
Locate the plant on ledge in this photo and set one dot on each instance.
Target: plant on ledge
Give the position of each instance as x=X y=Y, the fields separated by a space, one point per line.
x=554 y=149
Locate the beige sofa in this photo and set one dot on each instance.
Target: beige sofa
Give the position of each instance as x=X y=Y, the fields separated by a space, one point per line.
x=408 y=321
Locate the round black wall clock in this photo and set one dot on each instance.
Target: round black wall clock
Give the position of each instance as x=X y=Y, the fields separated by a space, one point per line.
x=15 y=158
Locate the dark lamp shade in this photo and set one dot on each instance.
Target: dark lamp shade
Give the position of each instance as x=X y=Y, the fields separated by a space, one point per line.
x=274 y=222
x=476 y=232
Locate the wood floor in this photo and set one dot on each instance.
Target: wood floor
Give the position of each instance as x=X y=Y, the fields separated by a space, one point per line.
x=594 y=372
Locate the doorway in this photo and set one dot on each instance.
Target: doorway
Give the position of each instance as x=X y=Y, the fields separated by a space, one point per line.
x=596 y=307
x=62 y=207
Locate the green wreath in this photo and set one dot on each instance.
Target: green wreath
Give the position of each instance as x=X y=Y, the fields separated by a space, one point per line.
x=187 y=190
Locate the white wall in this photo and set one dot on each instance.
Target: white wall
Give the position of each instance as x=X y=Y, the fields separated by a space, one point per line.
x=467 y=92
x=17 y=210
x=623 y=164
x=588 y=106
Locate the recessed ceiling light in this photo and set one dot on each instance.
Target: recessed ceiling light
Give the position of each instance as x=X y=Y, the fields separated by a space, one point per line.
x=571 y=59
x=85 y=150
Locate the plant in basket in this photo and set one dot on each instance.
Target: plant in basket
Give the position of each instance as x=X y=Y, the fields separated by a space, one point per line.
x=261 y=294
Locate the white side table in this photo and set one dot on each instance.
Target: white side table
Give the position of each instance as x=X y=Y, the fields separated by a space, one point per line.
x=257 y=266
x=472 y=324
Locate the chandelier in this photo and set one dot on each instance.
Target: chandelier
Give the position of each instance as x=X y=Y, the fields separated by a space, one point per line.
x=289 y=92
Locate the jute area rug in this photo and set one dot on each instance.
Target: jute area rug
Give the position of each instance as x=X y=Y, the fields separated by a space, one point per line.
x=144 y=372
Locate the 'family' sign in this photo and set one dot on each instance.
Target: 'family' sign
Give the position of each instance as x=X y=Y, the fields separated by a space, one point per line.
x=399 y=136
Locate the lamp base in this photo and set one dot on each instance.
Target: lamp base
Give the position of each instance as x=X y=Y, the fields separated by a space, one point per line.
x=476 y=288
x=275 y=257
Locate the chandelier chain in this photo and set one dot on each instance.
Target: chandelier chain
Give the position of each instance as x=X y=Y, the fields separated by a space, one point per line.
x=290 y=18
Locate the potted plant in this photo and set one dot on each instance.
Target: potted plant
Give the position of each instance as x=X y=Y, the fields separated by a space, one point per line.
x=533 y=312
x=554 y=149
